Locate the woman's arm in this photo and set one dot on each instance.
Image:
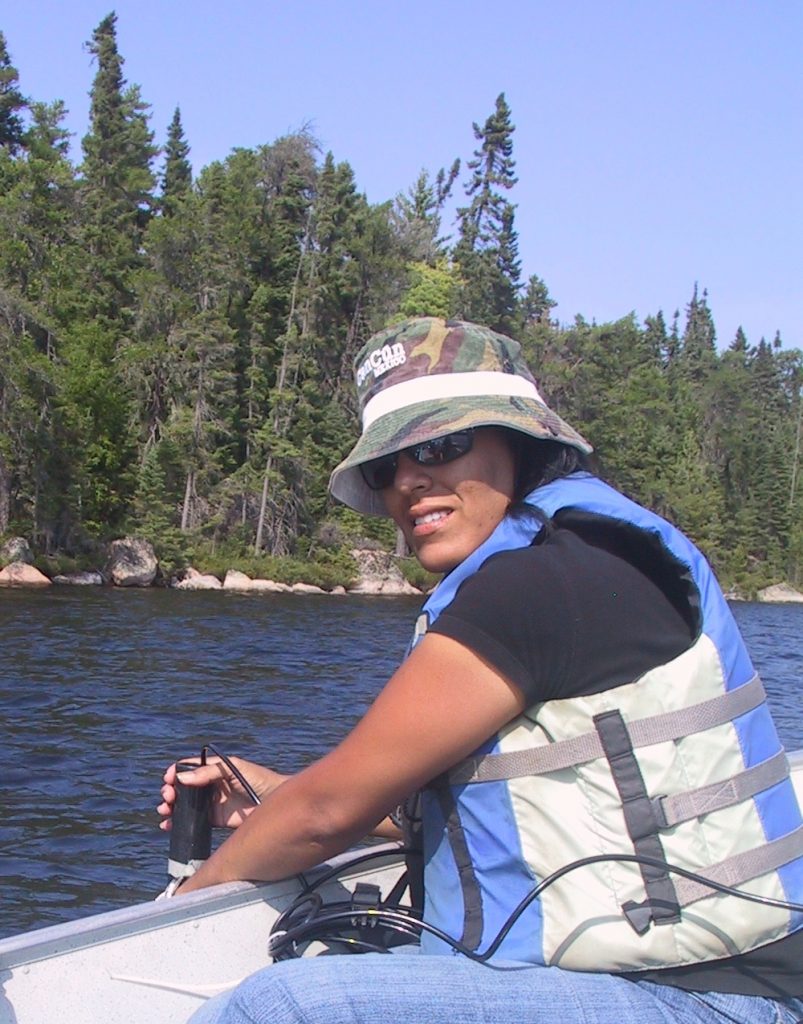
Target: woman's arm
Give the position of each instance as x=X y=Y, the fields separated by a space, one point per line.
x=437 y=708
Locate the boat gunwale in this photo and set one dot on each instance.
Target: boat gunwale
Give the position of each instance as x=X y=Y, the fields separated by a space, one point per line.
x=70 y=936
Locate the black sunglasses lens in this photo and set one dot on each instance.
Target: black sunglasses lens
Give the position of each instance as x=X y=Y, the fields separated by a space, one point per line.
x=443 y=449
x=380 y=473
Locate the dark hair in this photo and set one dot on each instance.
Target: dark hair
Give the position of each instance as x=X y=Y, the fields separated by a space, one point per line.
x=540 y=462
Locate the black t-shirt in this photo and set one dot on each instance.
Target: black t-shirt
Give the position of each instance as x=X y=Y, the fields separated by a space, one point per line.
x=590 y=607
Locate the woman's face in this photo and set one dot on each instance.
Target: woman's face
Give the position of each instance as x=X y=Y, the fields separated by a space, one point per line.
x=446 y=511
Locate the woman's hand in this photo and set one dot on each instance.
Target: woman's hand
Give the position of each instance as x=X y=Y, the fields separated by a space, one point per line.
x=231 y=805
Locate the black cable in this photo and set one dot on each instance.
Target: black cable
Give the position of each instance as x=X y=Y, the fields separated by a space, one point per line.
x=394 y=920
x=402 y=921
x=632 y=858
x=353 y=862
x=233 y=769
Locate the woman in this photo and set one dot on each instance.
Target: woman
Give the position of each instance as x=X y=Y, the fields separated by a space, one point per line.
x=576 y=687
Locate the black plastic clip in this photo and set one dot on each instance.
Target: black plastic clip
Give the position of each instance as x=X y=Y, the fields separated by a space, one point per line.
x=365 y=897
x=639 y=916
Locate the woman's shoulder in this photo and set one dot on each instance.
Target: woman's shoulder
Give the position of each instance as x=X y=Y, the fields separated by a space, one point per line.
x=579 y=614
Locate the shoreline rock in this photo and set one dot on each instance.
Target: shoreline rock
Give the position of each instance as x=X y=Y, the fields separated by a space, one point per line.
x=80 y=579
x=779 y=593
x=20 y=574
x=132 y=563
x=16 y=549
x=238 y=582
x=379 y=574
x=194 y=580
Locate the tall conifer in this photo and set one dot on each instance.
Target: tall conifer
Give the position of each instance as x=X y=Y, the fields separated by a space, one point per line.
x=117 y=185
x=12 y=102
x=177 y=173
x=487 y=249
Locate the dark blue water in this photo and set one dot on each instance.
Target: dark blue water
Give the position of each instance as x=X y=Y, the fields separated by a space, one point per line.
x=101 y=689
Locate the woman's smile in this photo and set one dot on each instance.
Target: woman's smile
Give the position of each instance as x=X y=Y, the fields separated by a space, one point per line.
x=428 y=522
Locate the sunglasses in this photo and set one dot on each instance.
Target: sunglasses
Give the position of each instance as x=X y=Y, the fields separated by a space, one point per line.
x=380 y=473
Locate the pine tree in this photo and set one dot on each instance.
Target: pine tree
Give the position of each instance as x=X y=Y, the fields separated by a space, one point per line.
x=12 y=102
x=699 y=351
x=117 y=185
x=115 y=202
x=177 y=173
x=38 y=260
x=339 y=222
x=655 y=336
x=417 y=216
x=487 y=249
x=37 y=214
x=538 y=304
x=431 y=291
x=771 y=438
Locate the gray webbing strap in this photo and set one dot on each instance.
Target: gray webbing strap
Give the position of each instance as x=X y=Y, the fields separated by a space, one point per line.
x=469 y=885
x=642 y=827
x=671 y=810
x=743 y=866
x=644 y=732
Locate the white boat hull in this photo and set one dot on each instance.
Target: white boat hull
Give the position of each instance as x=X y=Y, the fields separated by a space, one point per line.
x=157 y=962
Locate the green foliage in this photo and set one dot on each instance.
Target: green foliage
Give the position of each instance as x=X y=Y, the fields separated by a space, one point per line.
x=487 y=249
x=362 y=531
x=177 y=174
x=12 y=102
x=432 y=291
x=416 y=574
x=117 y=181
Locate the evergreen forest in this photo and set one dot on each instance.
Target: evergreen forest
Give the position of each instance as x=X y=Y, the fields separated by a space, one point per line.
x=176 y=349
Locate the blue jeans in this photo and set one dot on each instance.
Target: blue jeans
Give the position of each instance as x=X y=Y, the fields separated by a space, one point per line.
x=376 y=988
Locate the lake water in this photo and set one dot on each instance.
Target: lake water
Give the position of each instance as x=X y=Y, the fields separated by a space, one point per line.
x=101 y=688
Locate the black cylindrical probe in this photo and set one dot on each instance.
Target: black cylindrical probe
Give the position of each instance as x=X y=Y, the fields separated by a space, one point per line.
x=191 y=832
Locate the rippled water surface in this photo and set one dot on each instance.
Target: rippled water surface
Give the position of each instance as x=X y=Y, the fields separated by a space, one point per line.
x=100 y=689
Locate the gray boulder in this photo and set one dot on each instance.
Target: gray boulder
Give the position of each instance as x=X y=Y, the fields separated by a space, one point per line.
x=306 y=588
x=131 y=563
x=194 y=580
x=238 y=581
x=16 y=549
x=379 y=574
x=780 y=593
x=79 y=579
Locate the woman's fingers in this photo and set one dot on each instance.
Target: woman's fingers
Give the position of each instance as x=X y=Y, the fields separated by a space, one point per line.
x=231 y=803
x=202 y=775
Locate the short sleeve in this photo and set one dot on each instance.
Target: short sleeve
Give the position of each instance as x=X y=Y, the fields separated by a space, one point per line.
x=516 y=613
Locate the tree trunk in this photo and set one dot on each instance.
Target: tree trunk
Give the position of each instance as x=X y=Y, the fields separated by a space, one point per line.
x=188 y=492
x=263 y=504
x=5 y=496
x=281 y=379
x=796 y=456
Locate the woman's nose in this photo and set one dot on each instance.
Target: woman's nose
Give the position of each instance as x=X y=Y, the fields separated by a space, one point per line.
x=410 y=475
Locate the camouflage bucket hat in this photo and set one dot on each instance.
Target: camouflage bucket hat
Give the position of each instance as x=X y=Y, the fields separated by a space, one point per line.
x=427 y=377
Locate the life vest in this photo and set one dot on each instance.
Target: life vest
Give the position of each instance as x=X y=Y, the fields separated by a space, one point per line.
x=682 y=765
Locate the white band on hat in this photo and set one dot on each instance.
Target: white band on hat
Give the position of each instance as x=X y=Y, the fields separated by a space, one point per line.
x=473 y=384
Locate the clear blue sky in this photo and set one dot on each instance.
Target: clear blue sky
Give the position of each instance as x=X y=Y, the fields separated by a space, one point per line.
x=658 y=142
